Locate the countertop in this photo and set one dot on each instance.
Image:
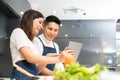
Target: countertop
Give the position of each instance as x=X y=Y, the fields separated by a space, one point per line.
x=104 y=75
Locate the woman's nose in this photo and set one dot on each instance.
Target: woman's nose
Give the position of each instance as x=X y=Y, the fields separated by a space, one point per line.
x=41 y=26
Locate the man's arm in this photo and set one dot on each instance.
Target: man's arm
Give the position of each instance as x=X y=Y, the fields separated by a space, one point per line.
x=47 y=72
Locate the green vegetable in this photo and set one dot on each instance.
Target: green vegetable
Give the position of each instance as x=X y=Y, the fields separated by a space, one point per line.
x=75 y=71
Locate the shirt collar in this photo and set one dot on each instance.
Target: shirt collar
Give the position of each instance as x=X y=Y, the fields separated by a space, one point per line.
x=45 y=39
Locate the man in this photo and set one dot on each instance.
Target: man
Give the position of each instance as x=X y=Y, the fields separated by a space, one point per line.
x=45 y=44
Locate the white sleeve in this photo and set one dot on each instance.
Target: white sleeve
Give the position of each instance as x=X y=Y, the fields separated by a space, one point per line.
x=59 y=65
x=19 y=38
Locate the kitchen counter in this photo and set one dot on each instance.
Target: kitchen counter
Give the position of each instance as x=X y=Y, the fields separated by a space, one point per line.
x=105 y=75
x=4 y=78
x=40 y=78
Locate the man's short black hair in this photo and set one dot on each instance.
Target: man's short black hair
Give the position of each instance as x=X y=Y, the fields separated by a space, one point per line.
x=52 y=18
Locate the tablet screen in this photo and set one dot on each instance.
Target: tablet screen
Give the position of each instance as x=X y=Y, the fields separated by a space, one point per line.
x=76 y=47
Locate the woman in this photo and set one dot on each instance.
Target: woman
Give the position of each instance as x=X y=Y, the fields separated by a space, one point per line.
x=23 y=52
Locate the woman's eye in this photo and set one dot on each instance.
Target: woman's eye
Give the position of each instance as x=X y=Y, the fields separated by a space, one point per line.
x=40 y=22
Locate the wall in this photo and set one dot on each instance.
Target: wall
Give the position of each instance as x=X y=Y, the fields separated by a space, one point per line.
x=9 y=18
x=18 y=5
x=97 y=36
x=5 y=59
x=3 y=24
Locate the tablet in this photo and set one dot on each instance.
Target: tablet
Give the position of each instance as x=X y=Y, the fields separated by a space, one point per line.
x=76 y=47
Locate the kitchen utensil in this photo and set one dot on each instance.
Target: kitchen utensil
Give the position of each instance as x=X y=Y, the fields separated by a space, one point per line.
x=33 y=77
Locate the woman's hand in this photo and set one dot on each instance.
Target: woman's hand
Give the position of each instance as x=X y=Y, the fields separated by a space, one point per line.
x=52 y=54
x=64 y=53
x=71 y=53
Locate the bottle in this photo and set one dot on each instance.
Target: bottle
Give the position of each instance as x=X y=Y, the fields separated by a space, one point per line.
x=68 y=59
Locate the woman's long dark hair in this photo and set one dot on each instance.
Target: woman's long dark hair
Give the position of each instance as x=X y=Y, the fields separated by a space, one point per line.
x=26 y=22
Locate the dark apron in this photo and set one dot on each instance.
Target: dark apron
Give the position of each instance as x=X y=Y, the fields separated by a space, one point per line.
x=28 y=67
x=47 y=50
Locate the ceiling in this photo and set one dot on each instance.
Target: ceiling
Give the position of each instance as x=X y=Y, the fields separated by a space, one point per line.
x=78 y=9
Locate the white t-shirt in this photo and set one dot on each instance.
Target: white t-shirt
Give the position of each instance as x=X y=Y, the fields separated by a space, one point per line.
x=19 y=39
x=39 y=46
